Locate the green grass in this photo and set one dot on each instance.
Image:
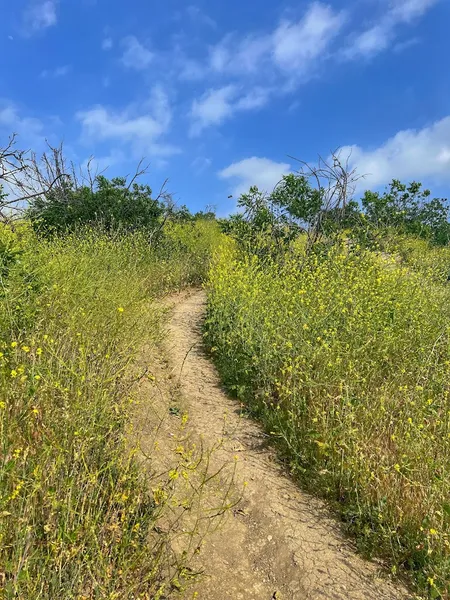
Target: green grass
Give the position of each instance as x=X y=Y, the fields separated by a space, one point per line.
x=346 y=360
x=75 y=511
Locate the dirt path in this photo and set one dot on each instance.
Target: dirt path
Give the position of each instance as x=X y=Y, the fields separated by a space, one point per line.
x=280 y=543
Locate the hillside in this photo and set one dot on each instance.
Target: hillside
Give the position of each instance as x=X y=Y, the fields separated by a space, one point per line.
x=127 y=471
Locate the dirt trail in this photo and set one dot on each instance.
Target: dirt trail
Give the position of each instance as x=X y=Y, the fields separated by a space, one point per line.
x=281 y=543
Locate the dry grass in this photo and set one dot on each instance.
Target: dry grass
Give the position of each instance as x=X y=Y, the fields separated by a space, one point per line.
x=75 y=511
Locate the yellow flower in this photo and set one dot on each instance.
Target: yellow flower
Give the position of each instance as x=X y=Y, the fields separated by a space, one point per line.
x=13 y=344
x=39 y=351
x=16 y=491
x=13 y=373
x=26 y=348
x=433 y=532
x=120 y=309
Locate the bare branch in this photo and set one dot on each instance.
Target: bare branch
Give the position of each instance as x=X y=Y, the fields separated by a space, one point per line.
x=139 y=172
x=335 y=181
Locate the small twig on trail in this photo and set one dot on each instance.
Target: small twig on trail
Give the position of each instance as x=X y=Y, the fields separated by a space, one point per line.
x=137 y=379
x=186 y=355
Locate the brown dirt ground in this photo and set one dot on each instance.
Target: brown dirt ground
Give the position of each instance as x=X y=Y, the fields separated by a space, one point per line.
x=277 y=542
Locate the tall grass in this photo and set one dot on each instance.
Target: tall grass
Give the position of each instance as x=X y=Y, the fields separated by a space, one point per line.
x=75 y=511
x=346 y=360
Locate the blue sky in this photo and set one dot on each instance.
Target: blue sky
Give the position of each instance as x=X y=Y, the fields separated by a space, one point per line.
x=217 y=95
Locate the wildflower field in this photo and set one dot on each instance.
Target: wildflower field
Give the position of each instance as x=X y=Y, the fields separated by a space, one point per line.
x=75 y=511
x=344 y=355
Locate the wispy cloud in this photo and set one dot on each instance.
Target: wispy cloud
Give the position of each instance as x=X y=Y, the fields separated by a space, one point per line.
x=136 y=55
x=261 y=64
x=293 y=47
x=262 y=172
x=57 y=72
x=383 y=33
x=40 y=15
x=296 y=46
x=29 y=129
x=141 y=128
x=217 y=105
x=107 y=43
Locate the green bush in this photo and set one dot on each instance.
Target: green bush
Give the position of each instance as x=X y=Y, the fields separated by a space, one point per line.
x=109 y=204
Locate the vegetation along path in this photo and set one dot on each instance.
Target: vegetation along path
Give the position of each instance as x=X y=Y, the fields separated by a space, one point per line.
x=279 y=542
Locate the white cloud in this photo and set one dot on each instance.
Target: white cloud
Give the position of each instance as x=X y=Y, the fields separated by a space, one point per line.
x=29 y=129
x=217 y=105
x=382 y=34
x=237 y=56
x=297 y=45
x=255 y=98
x=263 y=65
x=407 y=10
x=262 y=172
x=58 y=72
x=212 y=108
x=40 y=15
x=370 y=42
x=293 y=46
x=408 y=43
x=266 y=64
x=142 y=129
x=107 y=43
x=135 y=56
x=409 y=155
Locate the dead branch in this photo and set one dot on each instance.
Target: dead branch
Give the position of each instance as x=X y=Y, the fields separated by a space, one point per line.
x=336 y=183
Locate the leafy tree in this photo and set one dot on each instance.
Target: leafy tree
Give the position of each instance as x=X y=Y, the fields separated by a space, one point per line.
x=110 y=204
x=409 y=209
x=297 y=199
x=208 y=215
x=264 y=224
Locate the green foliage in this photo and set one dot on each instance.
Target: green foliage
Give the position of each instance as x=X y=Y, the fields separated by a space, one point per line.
x=10 y=250
x=345 y=358
x=295 y=196
x=110 y=204
x=408 y=209
x=267 y=222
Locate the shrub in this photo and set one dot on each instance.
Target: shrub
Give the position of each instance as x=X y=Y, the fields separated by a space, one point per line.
x=110 y=204
x=345 y=357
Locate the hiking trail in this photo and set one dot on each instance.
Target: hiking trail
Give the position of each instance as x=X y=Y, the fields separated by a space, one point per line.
x=279 y=542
